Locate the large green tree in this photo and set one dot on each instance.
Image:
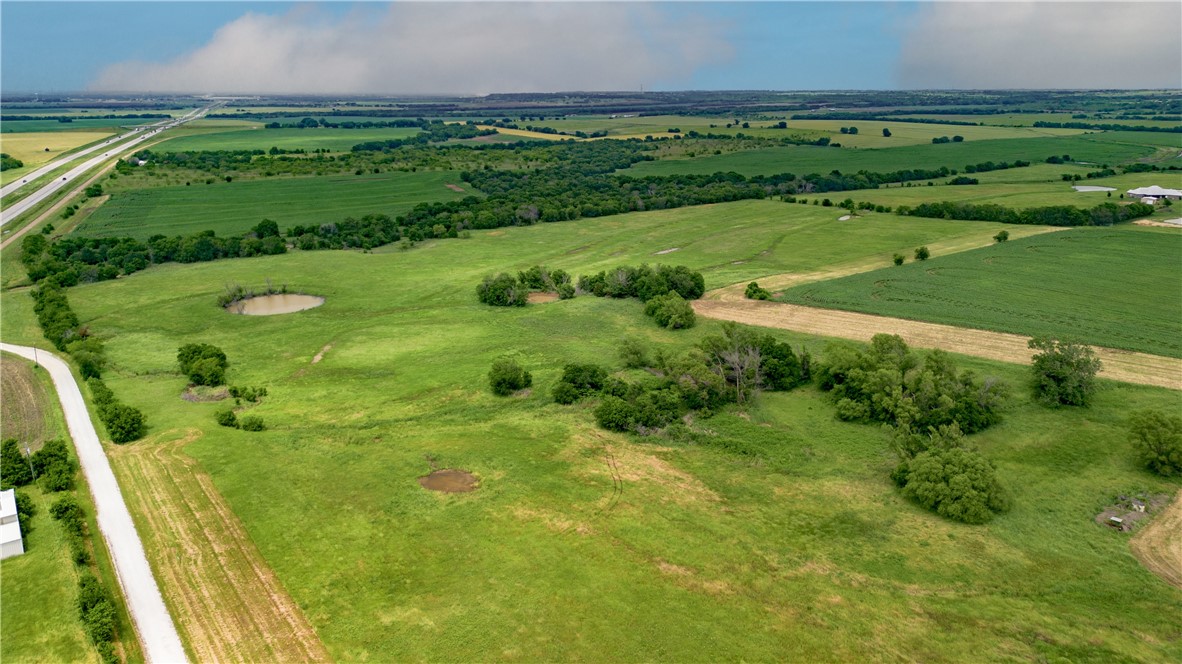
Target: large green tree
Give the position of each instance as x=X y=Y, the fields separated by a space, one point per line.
x=1064 y=372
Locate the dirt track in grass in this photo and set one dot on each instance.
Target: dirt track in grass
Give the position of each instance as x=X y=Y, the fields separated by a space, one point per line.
x=1159 y=545
x=226 y=600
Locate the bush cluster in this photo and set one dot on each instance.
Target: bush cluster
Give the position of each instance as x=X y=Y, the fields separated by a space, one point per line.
x=53 y=466
x=505 y=290
x=756 y=292
x=1064 y=372
x=887 y=383
x=96 y=610
x=228 y=418
x=250 y=394
x=14 y=466
x=124 y=423
x=204 y=364
x=1157 y=439
x=670 y=310
x=645 y=282
x=506 y=376
x=73 y=519
x=940 y=472
x=1104 y=214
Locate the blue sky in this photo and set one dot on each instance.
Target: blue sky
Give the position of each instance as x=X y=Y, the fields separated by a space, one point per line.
x=338 y=47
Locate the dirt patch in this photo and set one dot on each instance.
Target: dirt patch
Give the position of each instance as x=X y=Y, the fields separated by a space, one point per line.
x=1129 y=510
x=25 y=404
x=845 y=217
x=227 y=603
x=541 y=298
x=453 y=187
x=1120 y=365
x=275 y=304
x=1169 y=223
x=449 y=480
x=1159 y=544
x=667 y=251
x=320 y=356
x=204 y=393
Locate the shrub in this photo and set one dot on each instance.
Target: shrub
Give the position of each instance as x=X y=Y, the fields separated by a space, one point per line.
x=1064 y=372
x=251 y=423
x=633 y=354
x=227 y=418
x=922 y=253
x=502 y=291
x=205 y=364
x=615 y=414
x=671 y=311
x=898 y=259
x=566 y=291
x=565 y=393
x=123 y=422
x=1157 y=439
x=1001 y=236
x=67 y=510
x=14 y=466
x=956 y=483
x=506 y=377
x=756 y=292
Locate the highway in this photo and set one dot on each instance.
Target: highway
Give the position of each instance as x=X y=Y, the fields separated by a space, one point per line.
x=139 y=134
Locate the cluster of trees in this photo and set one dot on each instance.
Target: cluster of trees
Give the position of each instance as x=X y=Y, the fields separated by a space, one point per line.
x=368 y=232
x=671 y=311
x=51 y=464
x=1104 y=214
x=249 y=394
x=929 y=405
x=1157 y=441
x=435 y=131
x=124 y=423
x=986 y=166
x=852 y=131
x=962 y=179
x=945 y=139
x=7 y=161
x=645 y=282
x=72 y=260
x=96 y=608
x=506 y=376
x=1064 y=372
x=887 y=383
x=505 y=290
x=204 y=364
x=60 y=326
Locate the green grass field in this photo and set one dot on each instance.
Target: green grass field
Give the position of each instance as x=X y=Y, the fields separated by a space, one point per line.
x=235 y=207
x=81 y=124
x=256 y=137
x=1115 y=287
x=799 y=548
x=1111 y=147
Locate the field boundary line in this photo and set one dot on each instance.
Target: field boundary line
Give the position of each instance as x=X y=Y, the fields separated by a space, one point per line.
x=149 y=615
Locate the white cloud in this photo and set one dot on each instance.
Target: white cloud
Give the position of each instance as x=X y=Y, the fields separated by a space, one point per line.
x=438 y=48
x=1043 y=45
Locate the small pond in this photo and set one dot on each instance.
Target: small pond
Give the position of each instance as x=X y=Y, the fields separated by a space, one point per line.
x=271 y=305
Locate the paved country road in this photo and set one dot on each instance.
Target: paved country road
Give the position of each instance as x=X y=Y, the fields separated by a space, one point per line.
x=153 y=624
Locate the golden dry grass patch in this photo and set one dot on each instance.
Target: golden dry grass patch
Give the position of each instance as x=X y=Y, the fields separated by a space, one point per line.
x=30 y=147
x=1159 y=545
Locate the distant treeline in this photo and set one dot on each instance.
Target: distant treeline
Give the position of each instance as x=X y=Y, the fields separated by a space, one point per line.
x=1105 y=126
x=71 y=118
x=313 y=123
x=886 y=117
x=435 y=132
x=1105 y=214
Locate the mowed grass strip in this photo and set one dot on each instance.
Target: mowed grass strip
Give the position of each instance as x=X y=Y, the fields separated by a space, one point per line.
x=235 y=207
x=1114 y=287
x=223 y=597
x=778 y=532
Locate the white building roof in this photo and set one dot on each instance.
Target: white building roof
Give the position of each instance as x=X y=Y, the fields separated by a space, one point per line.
x=8 y=505
x=10 y=532
x=1154 y=191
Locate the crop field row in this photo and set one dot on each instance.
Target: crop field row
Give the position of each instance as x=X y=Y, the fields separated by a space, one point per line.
x=575 y=533
x=256 y=137
x=1114 y=287
x=1110 y=147
x=235 y=207
x=79 y=125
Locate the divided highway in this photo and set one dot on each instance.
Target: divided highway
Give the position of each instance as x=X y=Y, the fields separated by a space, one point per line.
x=144 y=133
x=158 y=634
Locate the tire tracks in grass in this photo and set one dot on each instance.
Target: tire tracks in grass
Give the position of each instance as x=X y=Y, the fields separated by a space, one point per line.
x=1159 y=545
x=228 y=603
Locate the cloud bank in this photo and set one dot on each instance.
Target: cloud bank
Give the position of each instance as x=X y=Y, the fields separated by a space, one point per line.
x=428 y=48
x=1043 y=45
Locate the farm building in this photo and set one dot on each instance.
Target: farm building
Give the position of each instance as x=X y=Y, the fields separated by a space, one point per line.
x=10 y=527
x=1155 y=192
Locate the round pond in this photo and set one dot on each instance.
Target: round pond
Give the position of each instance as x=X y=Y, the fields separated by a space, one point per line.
x=271 y=305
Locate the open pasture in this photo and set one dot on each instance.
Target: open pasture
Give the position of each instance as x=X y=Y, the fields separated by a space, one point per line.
x=1099 y=148
x=235 y=207
x=256 y=137
x=1114 y=287
x=774 y=533
x=1028 y=119
x=36 y=148
x=82 y=124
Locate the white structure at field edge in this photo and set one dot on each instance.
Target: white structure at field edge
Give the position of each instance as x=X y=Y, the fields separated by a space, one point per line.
x=10 y=527
x=1154 y=192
